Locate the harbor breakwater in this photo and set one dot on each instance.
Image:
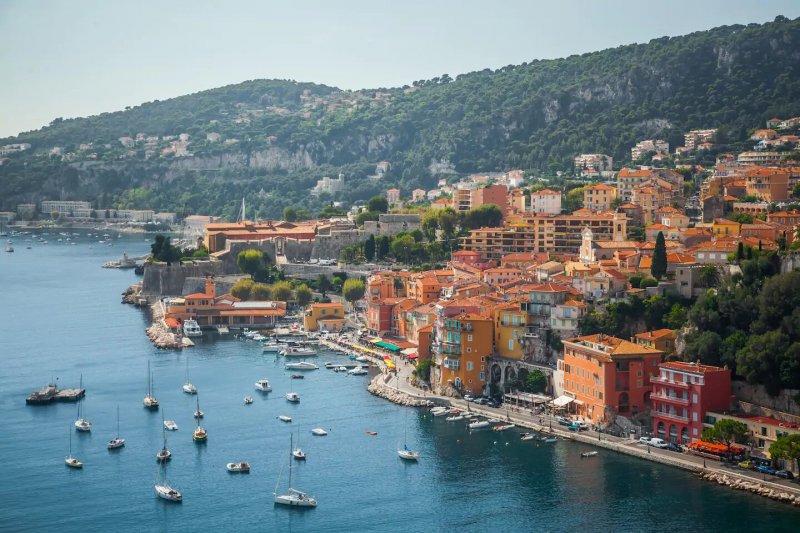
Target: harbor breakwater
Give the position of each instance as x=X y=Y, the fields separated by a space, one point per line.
x=378 y=387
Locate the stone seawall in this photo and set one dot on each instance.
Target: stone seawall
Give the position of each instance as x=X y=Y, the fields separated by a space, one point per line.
x=379 y=388
x=164 y=279
x=738 y=483
x=160 y=334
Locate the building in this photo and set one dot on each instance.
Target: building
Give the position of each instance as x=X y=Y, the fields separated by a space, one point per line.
x=324 y=317
x=606 y=376
x=509 y=330
x=64 y=208
x=593 y=164
x=695 y=138
x=218 y=234
x=649 y=146
x=659 y=339
x=764 y=430
x=565 y=318
x=599 y=197
x=392 y=224
x=556 y=234
x=466 y=345
x=787 y=218
x=682 y=395
x=546 y=202
x=418 y=195
x=393 y=196
x=767 y=184
x=471 y=197
x=210 y=310
x=759 y=158
x=26 y=209
x=329 y=185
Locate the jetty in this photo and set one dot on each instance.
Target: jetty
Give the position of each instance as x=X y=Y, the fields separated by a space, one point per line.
x=51 y=393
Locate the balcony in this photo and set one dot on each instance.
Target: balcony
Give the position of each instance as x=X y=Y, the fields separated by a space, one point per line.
x=681 y=384
x=670 y=416
x=670 y=399
x=453 y=364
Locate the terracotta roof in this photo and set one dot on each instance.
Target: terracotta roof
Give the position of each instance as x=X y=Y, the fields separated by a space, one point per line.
x=691 y=367
x=638 y=173
x=656 y=334
x=659 y=227
x=544 y=192
x=600 y=187
x=574 y=303
x=613 y=346
x=472 y=316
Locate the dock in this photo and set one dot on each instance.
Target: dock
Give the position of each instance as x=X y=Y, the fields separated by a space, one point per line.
x=51 y=393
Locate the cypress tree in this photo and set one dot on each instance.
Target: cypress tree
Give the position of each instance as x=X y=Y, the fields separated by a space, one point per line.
x=740 y=251
x=369 y=248
x=659 y=266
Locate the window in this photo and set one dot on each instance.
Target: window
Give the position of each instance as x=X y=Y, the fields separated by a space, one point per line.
x=763 y=431
x=482 y=376
x=694 y=431
x=694 y=416
x=469 y=350
x=694 y=397
x=469 y=338
x=470 y=366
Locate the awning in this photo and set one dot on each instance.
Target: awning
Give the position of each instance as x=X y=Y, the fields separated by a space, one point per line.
x=388 y=346
x=561 y=401
x=412 y=355
x=409 y=351
x=578 y=402
x=388 y=361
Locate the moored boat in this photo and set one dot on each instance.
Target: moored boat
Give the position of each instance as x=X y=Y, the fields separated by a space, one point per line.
x=481 y=424
x=116 y=442
x=298 y=352
x=503 y=427
x=319 y=432
x=191 y=328
x=263 y=385
x=248 y=400
x=238 y=468
x=588 y=454
x=292 y=497
x=284 y=418
x=292 y=397
x=170 y=425
x=302 y=365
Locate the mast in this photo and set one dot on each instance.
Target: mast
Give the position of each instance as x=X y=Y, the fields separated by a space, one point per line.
x=118 y=421
x=290 y=459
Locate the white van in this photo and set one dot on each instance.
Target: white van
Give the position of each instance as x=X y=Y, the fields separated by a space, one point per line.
x=658 y=443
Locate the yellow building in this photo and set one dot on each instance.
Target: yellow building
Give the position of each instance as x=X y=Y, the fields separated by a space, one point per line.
x=509 y=330
x=599 y=197
x=722 y=227
x=324 y=317
x=465 y=348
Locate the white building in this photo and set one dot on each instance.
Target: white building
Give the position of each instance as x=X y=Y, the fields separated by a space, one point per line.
x=647 y=146
x=593 y=164
x=127 y=142
x=329 y=185
x=696 y=137
x=546 y=202
x=64 y=208
x=393 y=196
x=14 y=148
x=213 y=137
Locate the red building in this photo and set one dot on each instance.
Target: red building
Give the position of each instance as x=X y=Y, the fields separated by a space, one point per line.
x=682 y=393
x=379 y=315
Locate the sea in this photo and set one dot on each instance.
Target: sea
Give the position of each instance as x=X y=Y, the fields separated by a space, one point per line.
x=62 y=320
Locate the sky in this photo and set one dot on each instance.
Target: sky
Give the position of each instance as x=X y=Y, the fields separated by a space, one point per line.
x=70 y=58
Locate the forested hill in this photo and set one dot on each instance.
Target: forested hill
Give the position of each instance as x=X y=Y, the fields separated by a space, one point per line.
x=283 y=135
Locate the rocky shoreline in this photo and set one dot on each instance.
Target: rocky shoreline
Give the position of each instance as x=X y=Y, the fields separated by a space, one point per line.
x=751 y=486
x=160 y=334
x=132 y=294
x=380 y=389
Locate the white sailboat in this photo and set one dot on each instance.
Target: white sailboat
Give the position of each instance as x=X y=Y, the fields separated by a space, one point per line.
x=298 y=452
x=405 y=452
x=150 y=400
x=200 y=434
x=116 y=442
x=163 y=454
x=164 y=490
x=69 y=460
x=293 y=497
x=188 y=387
x=82 y=424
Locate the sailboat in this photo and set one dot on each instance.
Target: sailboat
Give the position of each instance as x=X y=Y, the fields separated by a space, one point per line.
x=405 y=452
x=150 y=401
x=163 y=489
x=200 y=434
x=116 y=442
x=163 y=454
x=298 y=452
x=82 y=424
x=69 y=460
x=198 y=413
x=293 y=497
x=188 y=387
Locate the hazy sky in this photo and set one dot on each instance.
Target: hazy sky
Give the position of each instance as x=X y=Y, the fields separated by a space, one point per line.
x=72 y=58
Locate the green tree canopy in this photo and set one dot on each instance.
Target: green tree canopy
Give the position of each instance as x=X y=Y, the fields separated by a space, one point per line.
x=786 y=447
x=535 y=381
x=727 y=431
x=282 y=291
x=353 y=290
x=378 y=204
x=303 y=295
x=403 y=247
x=261 y=292
x=658 y=268
x=250 y=261
x=324 y=284
x=369 y=248
x=243 y=289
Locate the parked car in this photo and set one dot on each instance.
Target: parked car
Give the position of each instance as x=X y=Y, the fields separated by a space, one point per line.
x=469 y=397
x=785 y=474
x=766 y=469
x=644 y=440
x=671 y=446
x=750 y=465
x=655 y=442
x=492 y=403
x=564 y=421
x=482 y=401
x=578 y=426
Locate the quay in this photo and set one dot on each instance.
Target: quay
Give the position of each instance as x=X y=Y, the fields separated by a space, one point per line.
x=51 y=393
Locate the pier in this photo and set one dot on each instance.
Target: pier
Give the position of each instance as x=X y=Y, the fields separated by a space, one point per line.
x=51 y=393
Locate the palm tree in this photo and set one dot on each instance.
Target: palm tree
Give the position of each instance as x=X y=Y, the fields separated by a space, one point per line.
x=709 y=276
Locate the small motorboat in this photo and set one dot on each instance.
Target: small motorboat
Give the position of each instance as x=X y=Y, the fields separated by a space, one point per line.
x=319 y=432
x=297 y=376
x=373 y=433
x=298 y=352
x=189 y=388
x=481 y=424
x=170 y=425
x=271 y=347
x=238 y=468
x=248 y=400
x=503 y=427
x=453 y=411
x=292 y=397
x=163 y=455
x=358 y=371
x=284 y=418
x=302 y=365
x=440 y=412
x=72 y=462
x=455 y=418
x=340 y=369
x=527 y=436
x=362 y=358
x=263 y=385
x=588 y=454
x=549 y=440
x=116 y=443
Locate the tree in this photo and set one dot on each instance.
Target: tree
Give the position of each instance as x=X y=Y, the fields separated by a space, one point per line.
x=282 y=291
x=365 y=216
x=379 y=204
x=484 y=216
x=353 y=290
x=242 y=289
x=536 y=381
x=727 y=431
x=163 y=250
x=424 y=369
x=250 y=261
x=382 y=245
x=636 y=280
x=739 y=252
x=369 y=248
x=303 y=295
x=658 y=268
x=648 y=282
x=787 y=447
x=709 y=276
x=402 y=247
x=430 y=223
x=290 y=214
x=261 y=292
x=324 y=284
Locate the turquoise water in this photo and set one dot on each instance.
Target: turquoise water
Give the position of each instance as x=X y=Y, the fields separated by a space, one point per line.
x=61 y=317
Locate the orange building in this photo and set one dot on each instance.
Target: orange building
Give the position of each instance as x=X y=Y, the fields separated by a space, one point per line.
x=218 y=234
x=658 y=339
x=599 y=197
x=607 y=376
x=465 y=346
x=768 y=184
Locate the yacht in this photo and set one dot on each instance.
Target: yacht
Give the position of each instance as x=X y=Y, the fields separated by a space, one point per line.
x=482 y=424
x=298 y=351
x=284 y=418
x=271 y=347
x=163 y=454
x=319 y=432
x=292 y=397
x=82 y=424
x=302 y=365
x=191 y=328
x=292 y=497
x=238 y=468
x=358 y=371
x=69 y=460
x=263 y=385
x=170 y=425
x=150 y=400
x=164 y=491
x=189 y=388
x=116 y=442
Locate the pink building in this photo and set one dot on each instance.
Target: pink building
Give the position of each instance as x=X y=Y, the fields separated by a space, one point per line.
x=682 y=394
x=393 y=196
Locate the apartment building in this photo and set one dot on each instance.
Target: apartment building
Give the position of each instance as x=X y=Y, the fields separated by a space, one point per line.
x=768 y=184
x=546 y=202
x=648 y=146
x=593 y=164
x=599 y=197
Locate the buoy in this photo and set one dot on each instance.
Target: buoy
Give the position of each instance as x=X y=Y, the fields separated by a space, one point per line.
x=458 y=441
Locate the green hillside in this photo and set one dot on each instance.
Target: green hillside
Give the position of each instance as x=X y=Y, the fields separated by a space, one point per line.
x=282 y=135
